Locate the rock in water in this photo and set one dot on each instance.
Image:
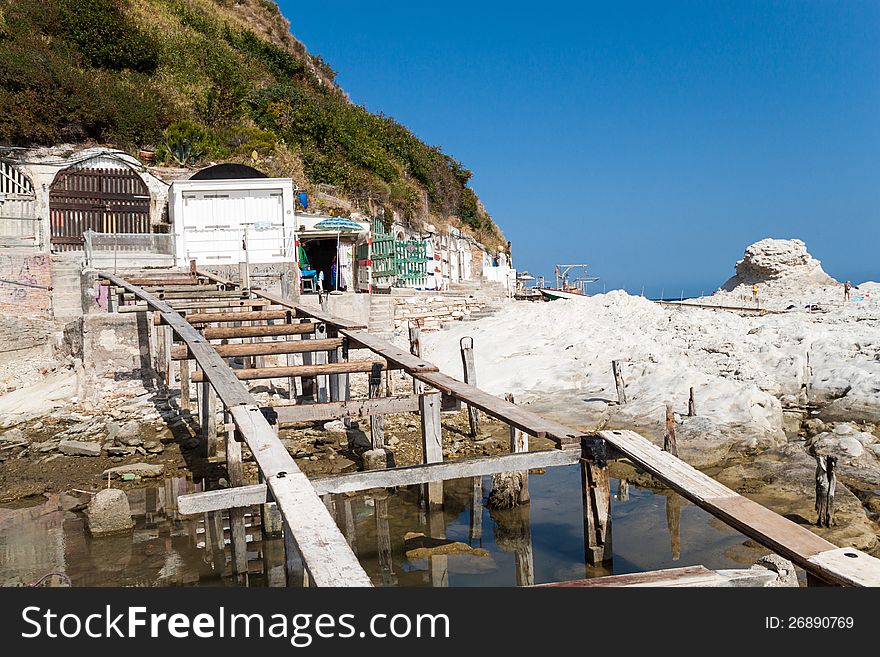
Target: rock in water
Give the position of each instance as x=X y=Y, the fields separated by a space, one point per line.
x=109 y=512
x=506 y=490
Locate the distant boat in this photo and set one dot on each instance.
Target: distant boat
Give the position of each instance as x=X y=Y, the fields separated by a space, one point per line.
x=551 y=294
x=568 y=287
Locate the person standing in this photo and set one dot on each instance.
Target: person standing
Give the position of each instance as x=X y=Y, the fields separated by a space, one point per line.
x=755 y=292
x=847 y=287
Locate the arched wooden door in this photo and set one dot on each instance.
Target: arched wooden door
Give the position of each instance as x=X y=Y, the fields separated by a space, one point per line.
x=102 y=200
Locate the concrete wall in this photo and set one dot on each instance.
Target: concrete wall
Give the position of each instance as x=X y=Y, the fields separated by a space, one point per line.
x=25 y=267
x=115 y=347
x=20 y=337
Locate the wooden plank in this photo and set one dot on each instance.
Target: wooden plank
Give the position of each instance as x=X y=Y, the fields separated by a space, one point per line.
x=532 y=423
x=209 y=318
x=470 y=377
x=344 y=409
x=389 y=352
x=229 y=332
x=205 y=294
x=698 y=576
x=180 y=352
x=848 y=567
x=253 y=374
x=327 y=555
x=196 y=305
x=680 y=476
x=389 y=478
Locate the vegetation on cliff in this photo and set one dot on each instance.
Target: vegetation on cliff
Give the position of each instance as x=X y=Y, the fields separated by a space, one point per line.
x=201 y=80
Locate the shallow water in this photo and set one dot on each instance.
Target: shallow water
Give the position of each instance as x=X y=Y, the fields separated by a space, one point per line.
x=540 y=542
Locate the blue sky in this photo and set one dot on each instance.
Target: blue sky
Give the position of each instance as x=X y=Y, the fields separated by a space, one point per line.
x=653 y=140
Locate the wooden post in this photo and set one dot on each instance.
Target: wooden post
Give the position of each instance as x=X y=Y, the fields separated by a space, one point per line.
x=597 y=504
x=344 y=389
x=214 y=541
x=208 y=418
x=349 y=529
x=618 y=382
x=235 y=472
x=524 y=554
x=291 y=361
x=309 y=385
x=296 y=571
x=377 y=422
x=415 y=348
x=470 y=377
x=510 y=489
x=622 y=490
x=826 y=483
x=320 y=358
x=432 y=444
x=185 y=400
x=167 y=337
x=333 y=357
x=692 y=404
x=383 y=538
x=669 y=439
x=476 y=523
x=673 y=523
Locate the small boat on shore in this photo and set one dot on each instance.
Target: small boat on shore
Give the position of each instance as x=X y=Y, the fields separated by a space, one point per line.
x=568 y=287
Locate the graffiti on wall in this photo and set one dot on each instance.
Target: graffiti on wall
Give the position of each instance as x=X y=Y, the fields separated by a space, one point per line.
x=24 y=284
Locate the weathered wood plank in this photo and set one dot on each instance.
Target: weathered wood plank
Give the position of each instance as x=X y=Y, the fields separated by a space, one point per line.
x=343 y=409
x=389 y=478
x=848 y=567
x=325 y=551
x=197 y=319
x=180 y=352
x=698 y=576
x=228 y=332
x=252 y=374
x=199 y=305
x=389 y=352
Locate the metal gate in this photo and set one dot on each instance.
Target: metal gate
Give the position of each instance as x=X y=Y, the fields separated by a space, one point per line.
x=19 y=225
x=102 y=200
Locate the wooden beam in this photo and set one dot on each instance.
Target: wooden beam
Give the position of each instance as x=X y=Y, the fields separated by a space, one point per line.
x=389 y=352
x=432 y=444
x=794 y=542
x=254 y=374
x=407 y=476
x=205 y=294
x=377 y=420
x=325 y=551
x=195 y=305
x=230 y=332
x=180 y=352
x=343 y=409
x=197 y=319
x=698 y=576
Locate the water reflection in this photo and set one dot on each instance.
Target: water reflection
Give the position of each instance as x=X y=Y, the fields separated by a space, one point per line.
x=400 y=537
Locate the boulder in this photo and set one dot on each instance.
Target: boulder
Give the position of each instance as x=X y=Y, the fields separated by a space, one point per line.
x=109 y=512
x=377 y=459
x=79 y=448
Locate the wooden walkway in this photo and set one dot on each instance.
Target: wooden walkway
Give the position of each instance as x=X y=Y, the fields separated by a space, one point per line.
x=193 y=309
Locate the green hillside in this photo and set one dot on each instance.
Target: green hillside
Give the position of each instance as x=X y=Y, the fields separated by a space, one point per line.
x=201 y=80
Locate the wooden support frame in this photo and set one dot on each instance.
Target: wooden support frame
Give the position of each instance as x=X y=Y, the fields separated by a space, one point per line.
x=326 y=553
x=816 y=555
x=252 y=374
